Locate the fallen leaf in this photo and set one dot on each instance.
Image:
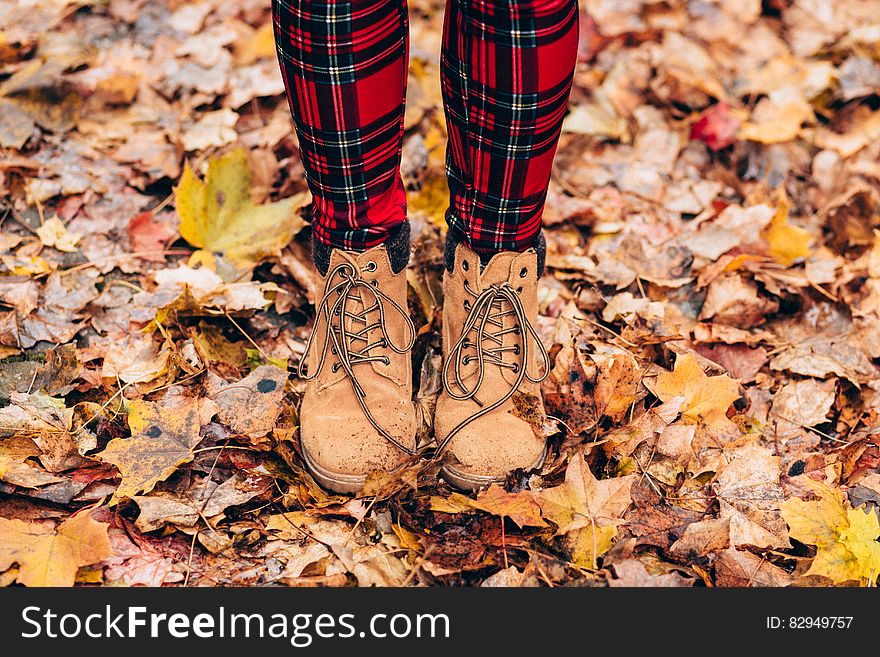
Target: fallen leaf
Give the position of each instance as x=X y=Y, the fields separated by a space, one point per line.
x=251 y=406
x=50 y=555
x=787 y=242
x=163 y=436
x=519 y=507
x=706 y=398
x=54 y=233
x=587 y=508
x=802 y=404
x=217 y=214
x=845 y=538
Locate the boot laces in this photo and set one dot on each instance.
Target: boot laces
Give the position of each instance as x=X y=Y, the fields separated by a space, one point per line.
x=483 y=341
x=345 y=288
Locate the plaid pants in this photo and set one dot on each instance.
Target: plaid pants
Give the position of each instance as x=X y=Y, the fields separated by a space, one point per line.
x=506 y=69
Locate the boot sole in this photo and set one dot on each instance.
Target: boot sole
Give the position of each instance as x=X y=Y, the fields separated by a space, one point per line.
x=338 y=482
x=471 y=482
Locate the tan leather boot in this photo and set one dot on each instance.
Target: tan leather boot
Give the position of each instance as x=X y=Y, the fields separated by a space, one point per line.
x=357 y=413
x=492 y=355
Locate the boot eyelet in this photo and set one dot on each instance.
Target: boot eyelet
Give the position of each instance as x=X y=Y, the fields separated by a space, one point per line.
x=516 y=349
x=374 y=283
x=465 y=265
x=519 y=290
x=515 y=368
x=386 y=360
x=523 y=272
x=467 y=304
x=466 y=360
x=371 y=266
x=335 y=368
x=333 y=350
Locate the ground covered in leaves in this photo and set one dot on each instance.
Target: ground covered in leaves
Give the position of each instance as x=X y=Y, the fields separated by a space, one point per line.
x=710 y=305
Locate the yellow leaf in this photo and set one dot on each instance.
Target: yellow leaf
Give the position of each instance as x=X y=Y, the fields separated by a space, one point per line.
x=582 y=500
x=432 y=199
x=845 y=538
x=589 y=543
x=54 y=233
x=455 y=503
x=706 y=398
x=774 y=123
x=787 y=242
x=519 y=507
x=163 y=436
x=218 y=214
x=50 y=556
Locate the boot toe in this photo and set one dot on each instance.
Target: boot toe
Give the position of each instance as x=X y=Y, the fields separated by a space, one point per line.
x=489 y=448
x=342 y=453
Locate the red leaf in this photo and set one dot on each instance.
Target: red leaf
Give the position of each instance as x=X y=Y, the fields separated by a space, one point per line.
x=717 y=127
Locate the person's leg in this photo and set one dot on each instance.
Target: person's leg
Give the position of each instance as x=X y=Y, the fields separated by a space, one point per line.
x=344 y=66
x=506 y=72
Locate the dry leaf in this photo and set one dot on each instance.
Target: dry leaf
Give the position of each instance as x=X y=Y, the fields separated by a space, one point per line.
x=50 y=556
x=706 y=398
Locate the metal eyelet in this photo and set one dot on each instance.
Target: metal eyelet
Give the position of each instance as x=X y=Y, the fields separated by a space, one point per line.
x=374 y=283
x=519 y=290
x=467 y=304
x=465 y=265
x=523 y=272
x=333 y=350
x=515 y=368
x=335 y=368
x=371 y=266
x=516 y=349
x=386 y=360
x=466 y=360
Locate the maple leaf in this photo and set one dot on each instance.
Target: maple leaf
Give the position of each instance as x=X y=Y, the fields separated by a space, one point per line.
x=163 y=436
x=519 y=507
x=50 y=556
x=706 y=398
x=845 y=538
x=586 y=508
x=218 y=214
x=787 y=242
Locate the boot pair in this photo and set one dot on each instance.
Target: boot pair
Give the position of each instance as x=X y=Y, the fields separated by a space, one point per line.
x=357 y=413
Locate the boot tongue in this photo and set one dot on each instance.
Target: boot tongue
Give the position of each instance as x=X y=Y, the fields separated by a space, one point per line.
x=497 y=270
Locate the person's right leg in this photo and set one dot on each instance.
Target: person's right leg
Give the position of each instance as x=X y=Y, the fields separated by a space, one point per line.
x=344 y=66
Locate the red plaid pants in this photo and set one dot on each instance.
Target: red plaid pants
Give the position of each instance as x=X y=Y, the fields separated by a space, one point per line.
x=506 y=69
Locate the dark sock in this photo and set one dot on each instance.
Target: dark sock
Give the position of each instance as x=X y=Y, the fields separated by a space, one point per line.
x=397 y=245
x=540 y=247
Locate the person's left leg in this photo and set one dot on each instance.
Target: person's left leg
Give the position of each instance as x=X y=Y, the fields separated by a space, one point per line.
x=506 y=72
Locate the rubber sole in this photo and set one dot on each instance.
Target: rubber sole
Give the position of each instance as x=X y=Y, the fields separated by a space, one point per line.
x=471 y=482
x=338 y=482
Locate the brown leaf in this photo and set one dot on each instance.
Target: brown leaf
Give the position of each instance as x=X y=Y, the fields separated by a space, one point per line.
x=163 y=436
x=251 y=406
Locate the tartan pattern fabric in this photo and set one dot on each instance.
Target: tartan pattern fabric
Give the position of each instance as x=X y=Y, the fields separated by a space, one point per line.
x=506 y=70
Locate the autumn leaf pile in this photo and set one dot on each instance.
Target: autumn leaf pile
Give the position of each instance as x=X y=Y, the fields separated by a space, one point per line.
x=710 y=306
